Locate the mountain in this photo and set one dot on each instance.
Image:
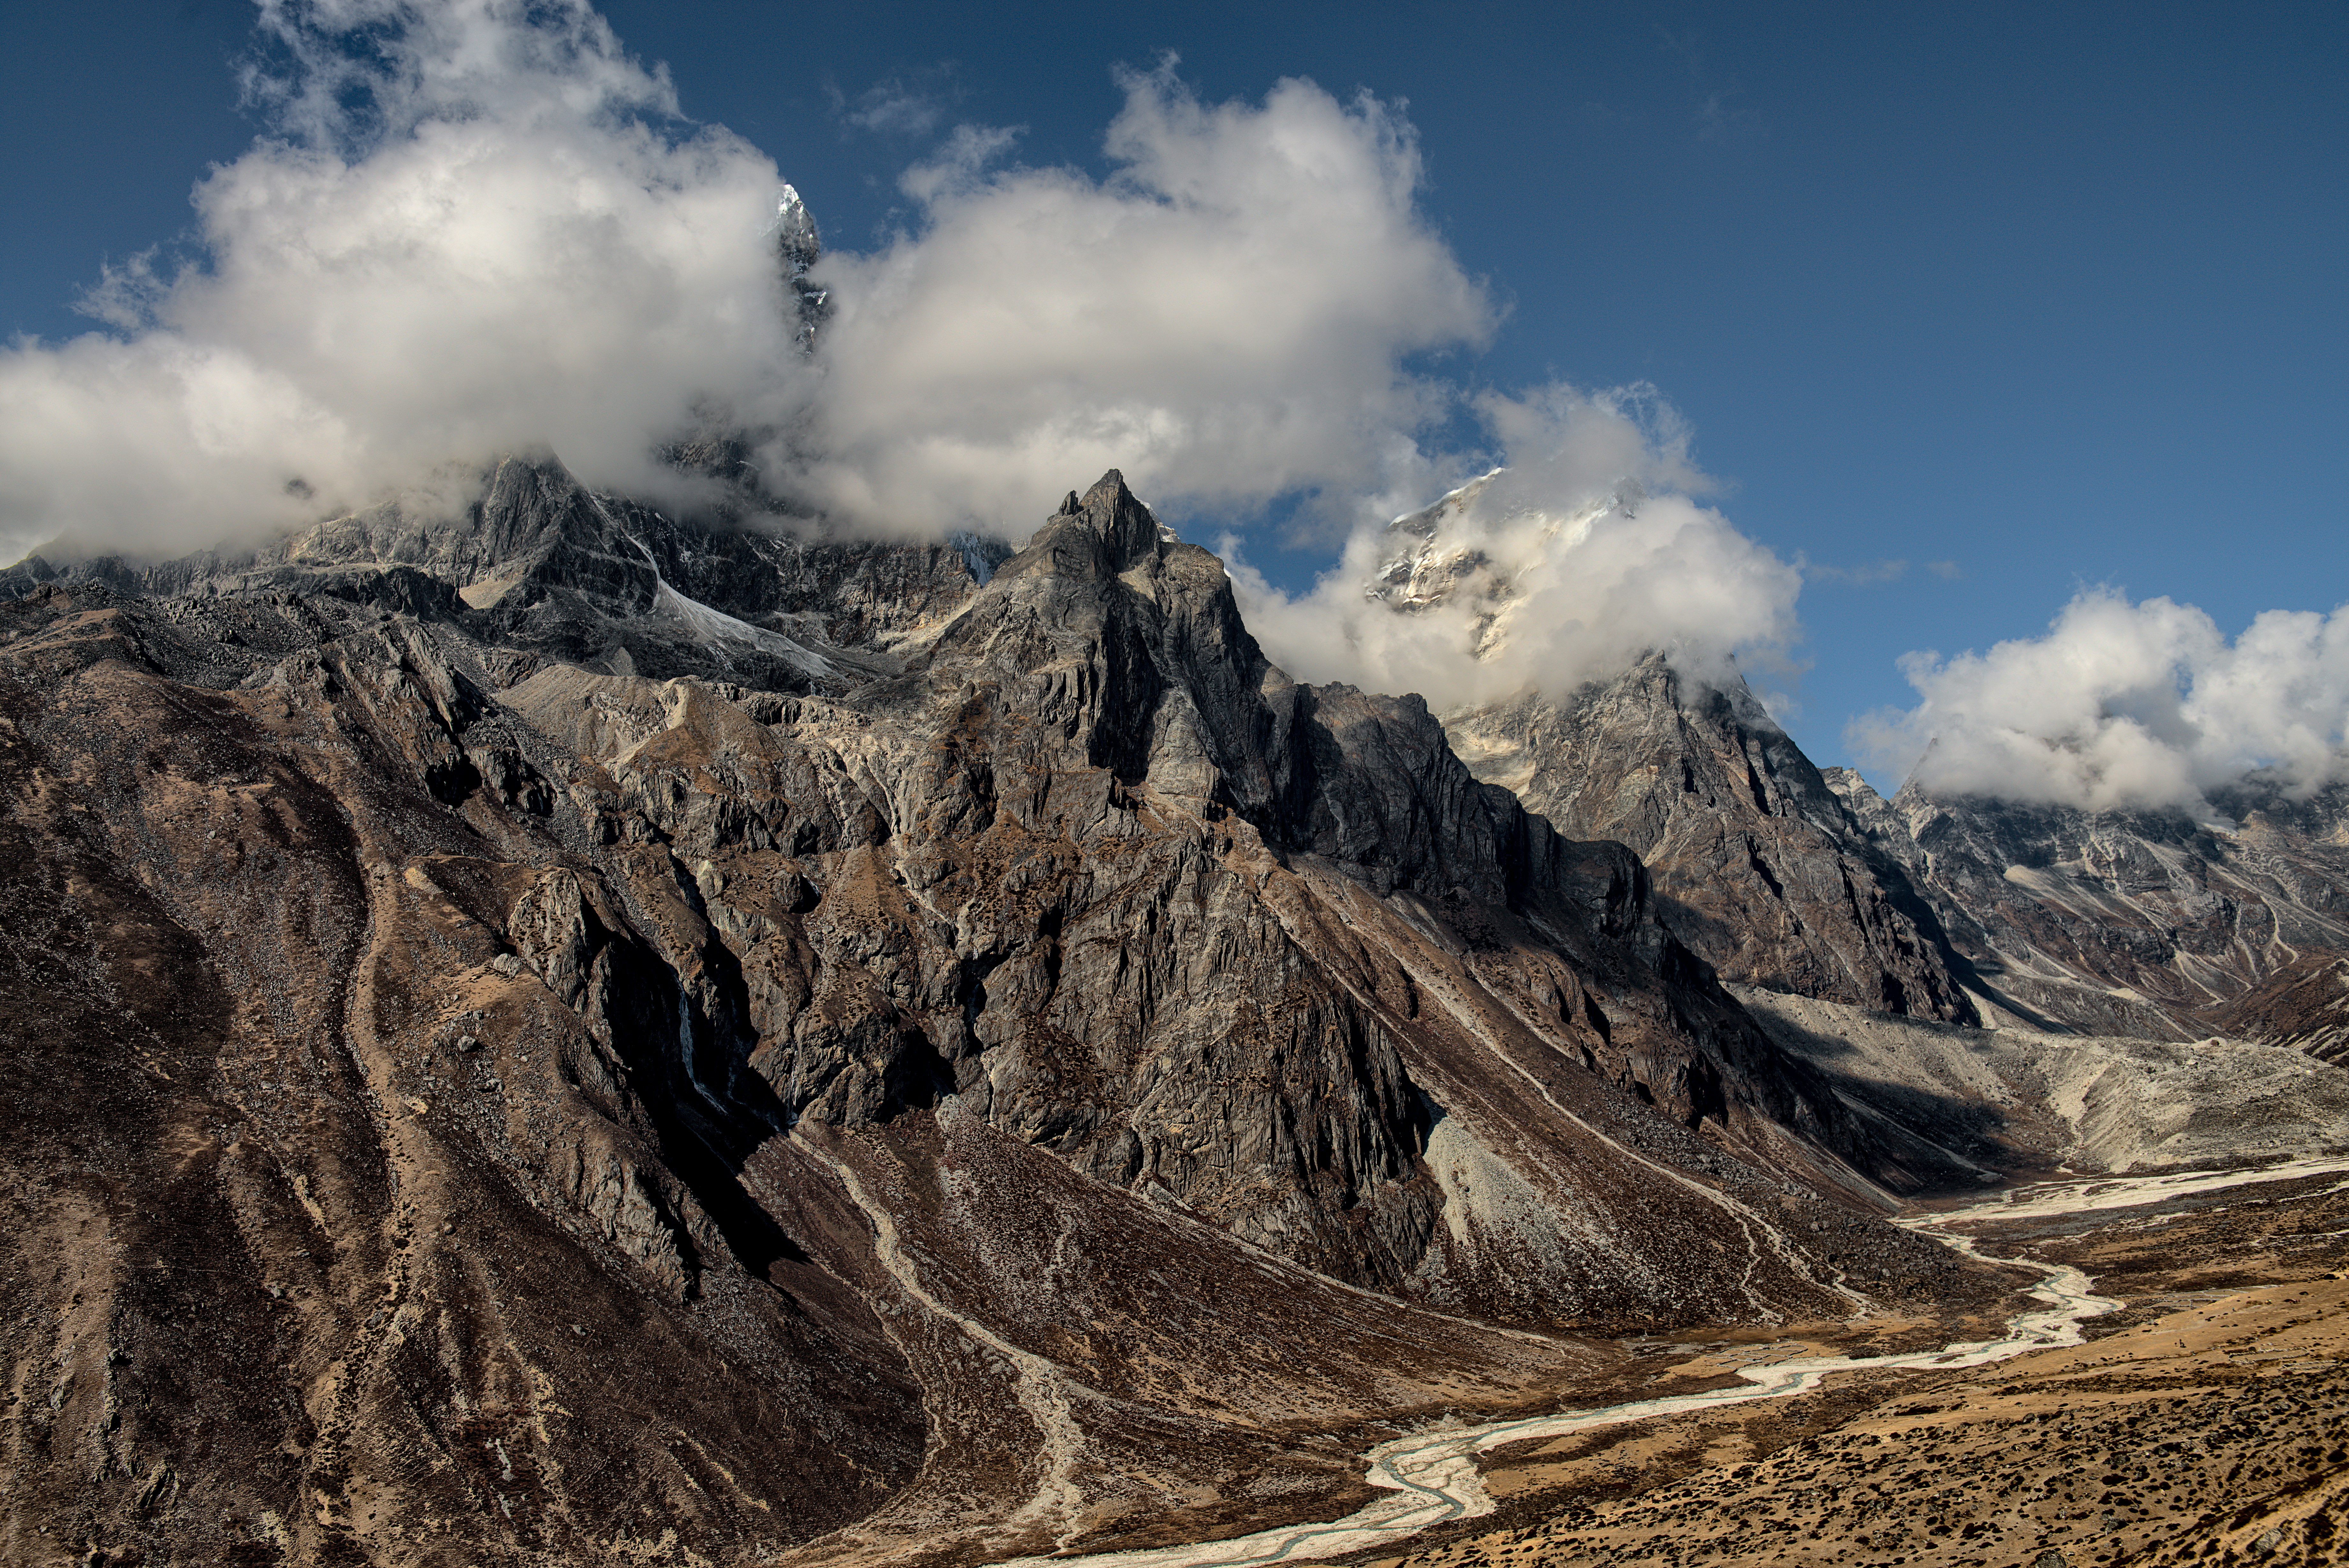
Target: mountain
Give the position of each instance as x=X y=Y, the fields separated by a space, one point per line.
x=2148 y=923
x=2153 y=925
x=1758 y=867
x=556 y=1032
x=798 y=248
x=535 y=564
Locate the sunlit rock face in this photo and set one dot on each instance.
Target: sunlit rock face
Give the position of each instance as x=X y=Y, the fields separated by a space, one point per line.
x=1755 y=864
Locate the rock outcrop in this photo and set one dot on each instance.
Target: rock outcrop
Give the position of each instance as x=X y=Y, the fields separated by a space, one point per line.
x=1756 y=866
x=535 y=564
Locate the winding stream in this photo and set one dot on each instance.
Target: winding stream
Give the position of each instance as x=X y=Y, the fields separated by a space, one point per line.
x=1432 y=1477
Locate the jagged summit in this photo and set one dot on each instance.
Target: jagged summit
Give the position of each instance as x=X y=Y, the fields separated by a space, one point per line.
x=1124 y=532
x=796 y=240
x=800 y=247
x=536 y=562
x=2148 y=923
x=1438 y=558
x=1756 y=864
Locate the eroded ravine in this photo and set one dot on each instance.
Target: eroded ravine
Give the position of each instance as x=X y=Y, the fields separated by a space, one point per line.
x=1355 y=907
x=1431 y=1477
x=1042 y=1390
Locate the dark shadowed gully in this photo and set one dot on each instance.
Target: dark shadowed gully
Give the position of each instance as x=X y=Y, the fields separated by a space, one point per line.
x=550 y=1035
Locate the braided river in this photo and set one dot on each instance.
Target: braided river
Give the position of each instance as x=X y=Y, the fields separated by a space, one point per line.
x=1431 y=1477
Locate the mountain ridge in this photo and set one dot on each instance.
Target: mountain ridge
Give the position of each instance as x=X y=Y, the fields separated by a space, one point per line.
x=2148 y=923
x=833 y=1038
x=1003 y=1059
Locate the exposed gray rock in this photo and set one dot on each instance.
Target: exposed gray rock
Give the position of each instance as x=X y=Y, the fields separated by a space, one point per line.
x=1756 y=865
x=534 y=563
x=2141 y=923
x=1983 y=1104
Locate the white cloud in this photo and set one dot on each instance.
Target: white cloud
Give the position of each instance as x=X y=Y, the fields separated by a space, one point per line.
x=1225 y=317
x=471 y=232
x=901 y=105
x=1587 y=550
x=2125 y=705
x=474 y=228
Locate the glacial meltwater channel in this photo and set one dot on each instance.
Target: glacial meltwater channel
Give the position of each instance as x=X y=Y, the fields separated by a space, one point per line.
x=1432 y=1477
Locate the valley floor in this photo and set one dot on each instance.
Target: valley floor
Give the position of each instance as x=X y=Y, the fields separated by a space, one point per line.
x=2205 y=1422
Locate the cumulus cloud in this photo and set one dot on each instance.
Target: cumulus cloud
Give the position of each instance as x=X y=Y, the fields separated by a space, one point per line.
x=2125 y=705
x=1227 y=317
x=476 y=226
x=468 y=231
x=479 y=225
x=1589 y=548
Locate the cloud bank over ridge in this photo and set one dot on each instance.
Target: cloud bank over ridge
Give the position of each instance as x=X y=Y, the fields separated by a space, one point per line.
x=2123 y=705
x=479 y=225
x=1589 y=548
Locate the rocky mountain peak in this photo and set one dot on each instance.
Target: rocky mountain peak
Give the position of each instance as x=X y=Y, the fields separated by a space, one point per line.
x=1104 y=532
x=1423 y=566
x=1757 y=865
x=796 y=240
x=799 y=247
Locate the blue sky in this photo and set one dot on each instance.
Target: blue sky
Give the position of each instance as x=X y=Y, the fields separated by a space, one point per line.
x=2049 y=296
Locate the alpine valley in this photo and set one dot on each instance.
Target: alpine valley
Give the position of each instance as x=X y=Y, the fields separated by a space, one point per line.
x=543 y=1031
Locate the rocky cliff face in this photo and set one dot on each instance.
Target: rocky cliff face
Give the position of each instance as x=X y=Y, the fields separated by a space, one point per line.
x=535 y=564
x=2148 y=924
x=1755 y=864
x=2304 y=1003
x=567 y=1035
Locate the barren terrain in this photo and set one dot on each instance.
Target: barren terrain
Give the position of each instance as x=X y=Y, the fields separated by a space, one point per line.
x=2206 y=1421
x=560 y=1036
